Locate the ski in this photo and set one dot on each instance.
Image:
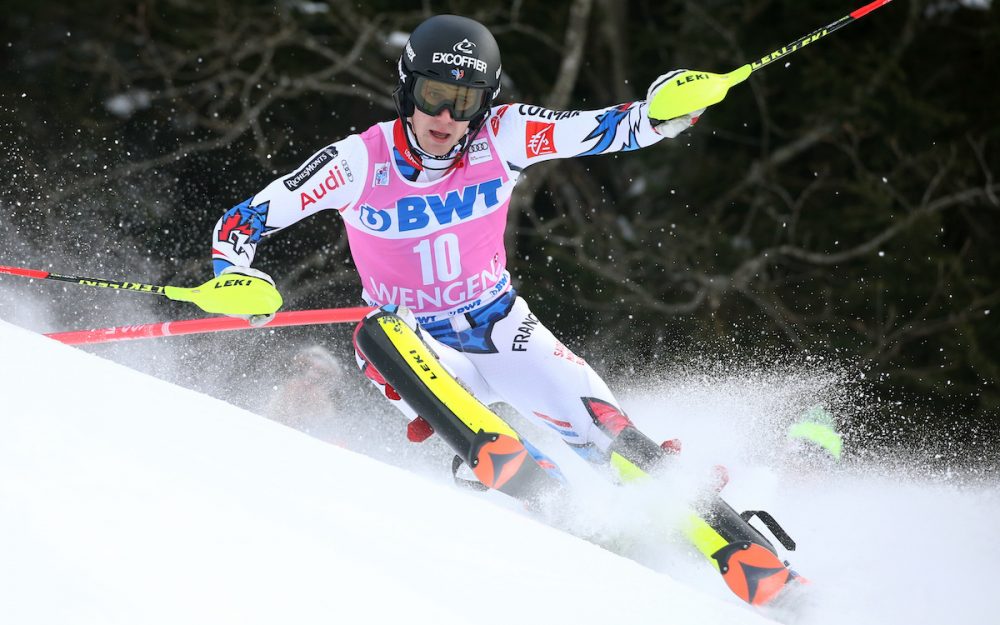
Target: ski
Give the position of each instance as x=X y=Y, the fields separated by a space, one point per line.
x=747 y=560
x=493 y=450
x=502 y=460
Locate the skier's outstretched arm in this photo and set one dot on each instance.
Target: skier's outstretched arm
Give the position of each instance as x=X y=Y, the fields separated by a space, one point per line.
x=332 y=178
x=531 y=134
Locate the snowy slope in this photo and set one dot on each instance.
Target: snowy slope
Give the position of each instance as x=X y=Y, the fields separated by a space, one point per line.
x=125 y=499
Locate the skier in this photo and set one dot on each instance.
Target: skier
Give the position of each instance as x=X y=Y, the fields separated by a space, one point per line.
x=424 y=198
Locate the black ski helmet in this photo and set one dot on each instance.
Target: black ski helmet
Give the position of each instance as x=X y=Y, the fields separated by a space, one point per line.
x=454 y=50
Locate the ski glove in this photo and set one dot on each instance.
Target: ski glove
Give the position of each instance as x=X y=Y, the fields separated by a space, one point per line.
x=255 y=320
x=672 y=127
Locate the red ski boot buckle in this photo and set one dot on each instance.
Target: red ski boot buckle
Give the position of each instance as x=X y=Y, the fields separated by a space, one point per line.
x=419 y=430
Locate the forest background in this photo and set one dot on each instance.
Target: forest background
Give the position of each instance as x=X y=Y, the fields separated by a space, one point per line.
x=841 y=206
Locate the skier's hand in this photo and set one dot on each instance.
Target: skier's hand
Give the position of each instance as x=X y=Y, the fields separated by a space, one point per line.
x=255 y=320
x=671 y=127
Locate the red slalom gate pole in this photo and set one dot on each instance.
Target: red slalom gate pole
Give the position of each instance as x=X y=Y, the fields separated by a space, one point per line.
x=210 y=324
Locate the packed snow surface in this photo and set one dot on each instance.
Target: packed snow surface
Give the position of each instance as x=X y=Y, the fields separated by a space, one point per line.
x=128 y=499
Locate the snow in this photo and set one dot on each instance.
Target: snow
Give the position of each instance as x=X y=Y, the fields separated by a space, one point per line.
x=127 y=104
x=126 y=499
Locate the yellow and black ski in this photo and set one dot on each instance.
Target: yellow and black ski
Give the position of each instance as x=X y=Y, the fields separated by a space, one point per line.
x=748 y=561
x=498 y=456
x=493 y=450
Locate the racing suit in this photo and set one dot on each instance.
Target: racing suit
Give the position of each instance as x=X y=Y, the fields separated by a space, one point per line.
x=433 y=242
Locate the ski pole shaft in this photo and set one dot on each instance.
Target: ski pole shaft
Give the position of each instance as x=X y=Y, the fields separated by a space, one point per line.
x=98 y=282
x=228 y=294
x=690 y=90
x=815 y=35
x=211 y=324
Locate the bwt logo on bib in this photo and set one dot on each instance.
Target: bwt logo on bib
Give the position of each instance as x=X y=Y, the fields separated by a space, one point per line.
x=414 y=212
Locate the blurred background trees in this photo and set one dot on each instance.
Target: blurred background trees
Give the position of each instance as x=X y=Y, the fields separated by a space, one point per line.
x=842 y=203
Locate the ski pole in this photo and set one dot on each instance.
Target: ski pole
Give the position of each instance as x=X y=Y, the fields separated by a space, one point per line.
x=691 y=90
x=204 y=326
x=226 y=294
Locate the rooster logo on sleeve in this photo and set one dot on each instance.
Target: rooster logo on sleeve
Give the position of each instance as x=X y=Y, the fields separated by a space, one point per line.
x=608 y=123
x=244 y=224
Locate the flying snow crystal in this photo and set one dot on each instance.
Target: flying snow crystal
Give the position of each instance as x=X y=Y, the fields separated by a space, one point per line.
x=948 y=6
x=312 y=8
x=638 y=187
x=126 y=104
x=397 y=39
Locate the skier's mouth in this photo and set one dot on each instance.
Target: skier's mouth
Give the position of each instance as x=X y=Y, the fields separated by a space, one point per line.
x=440 y=136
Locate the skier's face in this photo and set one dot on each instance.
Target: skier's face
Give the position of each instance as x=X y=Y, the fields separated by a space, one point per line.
x=437 y=134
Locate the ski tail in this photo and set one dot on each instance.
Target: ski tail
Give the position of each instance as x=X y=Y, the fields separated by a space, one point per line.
x=493 y=450
x=747 y=560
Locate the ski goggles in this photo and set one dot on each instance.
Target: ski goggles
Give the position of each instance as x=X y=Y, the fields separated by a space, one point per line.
x=464 y=103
